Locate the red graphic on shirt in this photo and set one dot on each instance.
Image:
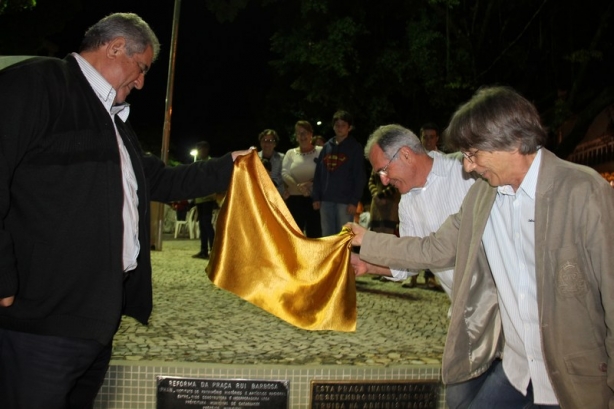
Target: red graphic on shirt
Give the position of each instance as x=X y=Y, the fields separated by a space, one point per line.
x=334 y=160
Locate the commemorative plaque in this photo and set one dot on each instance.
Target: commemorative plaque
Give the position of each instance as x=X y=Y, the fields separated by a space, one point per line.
x=198 y=393
x=415 y=394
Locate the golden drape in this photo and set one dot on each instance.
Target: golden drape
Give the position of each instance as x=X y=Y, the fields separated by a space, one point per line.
x=260 y=254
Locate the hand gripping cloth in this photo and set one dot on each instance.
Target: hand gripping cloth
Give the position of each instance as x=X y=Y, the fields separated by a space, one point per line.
x=261 y=255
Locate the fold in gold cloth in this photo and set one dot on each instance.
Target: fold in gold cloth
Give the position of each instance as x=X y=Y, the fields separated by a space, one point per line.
x=261 y=255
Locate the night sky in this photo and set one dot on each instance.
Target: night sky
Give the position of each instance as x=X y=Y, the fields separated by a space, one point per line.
x=221 y=74
x=225 y=90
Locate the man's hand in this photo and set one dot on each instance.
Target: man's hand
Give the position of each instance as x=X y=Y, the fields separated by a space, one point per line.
x=316 y=205
x=236 y=154
x=358 y=231
x=7 y=302
x=360 y=267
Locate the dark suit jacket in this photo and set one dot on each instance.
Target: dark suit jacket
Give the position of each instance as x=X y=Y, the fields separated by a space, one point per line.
x=61 y=201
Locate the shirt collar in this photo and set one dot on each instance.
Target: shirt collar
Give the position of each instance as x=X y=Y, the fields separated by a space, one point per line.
x=437 y=170
x=529 y=183
x=439 y=167
x=103 y=89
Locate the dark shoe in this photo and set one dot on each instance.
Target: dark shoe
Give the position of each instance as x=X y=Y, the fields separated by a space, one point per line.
x=202 y=255
x=411 y=282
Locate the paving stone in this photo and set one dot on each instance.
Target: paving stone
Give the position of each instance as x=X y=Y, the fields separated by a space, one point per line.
x=194 y=321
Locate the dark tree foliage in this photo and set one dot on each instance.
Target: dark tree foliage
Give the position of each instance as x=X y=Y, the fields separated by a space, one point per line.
x=42 y=19
x=412 y=61
x=16 y=5
x=401 y=61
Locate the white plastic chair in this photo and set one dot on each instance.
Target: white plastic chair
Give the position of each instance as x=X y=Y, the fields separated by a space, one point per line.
x=179 y=224
x=192 y=219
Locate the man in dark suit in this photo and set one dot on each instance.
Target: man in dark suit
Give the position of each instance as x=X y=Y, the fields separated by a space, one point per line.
x=75 y=189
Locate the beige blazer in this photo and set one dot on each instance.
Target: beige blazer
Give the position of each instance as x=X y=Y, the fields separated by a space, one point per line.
x=574 y=251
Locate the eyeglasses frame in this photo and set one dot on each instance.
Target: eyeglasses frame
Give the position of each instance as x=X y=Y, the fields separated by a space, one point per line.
x=470 y=156
x=384 y=171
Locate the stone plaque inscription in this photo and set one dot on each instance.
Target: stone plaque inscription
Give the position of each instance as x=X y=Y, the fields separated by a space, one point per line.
x=418 y=394
x=197 y=393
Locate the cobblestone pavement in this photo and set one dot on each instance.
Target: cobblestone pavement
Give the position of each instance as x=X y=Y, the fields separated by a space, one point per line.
x=194 y=321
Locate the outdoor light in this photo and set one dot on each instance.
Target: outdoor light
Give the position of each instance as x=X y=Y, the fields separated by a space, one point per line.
x=319 y=123
x=194 y=153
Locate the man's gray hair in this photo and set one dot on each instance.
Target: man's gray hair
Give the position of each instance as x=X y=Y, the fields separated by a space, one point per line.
x=133 y=28
x=391 y=138
x=496 y=119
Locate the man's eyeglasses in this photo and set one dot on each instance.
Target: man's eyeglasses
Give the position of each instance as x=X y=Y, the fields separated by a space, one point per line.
x=470 y=155
x=269 y=140
x=384 y=171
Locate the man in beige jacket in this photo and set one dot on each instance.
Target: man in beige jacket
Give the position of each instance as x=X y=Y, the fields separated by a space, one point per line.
x=533 y=292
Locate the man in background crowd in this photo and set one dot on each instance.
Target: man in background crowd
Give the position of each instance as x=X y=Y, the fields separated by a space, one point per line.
x=205 y=207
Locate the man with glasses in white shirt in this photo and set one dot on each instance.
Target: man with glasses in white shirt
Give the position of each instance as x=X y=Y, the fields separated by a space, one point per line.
x=432 y=187
x=532 y=299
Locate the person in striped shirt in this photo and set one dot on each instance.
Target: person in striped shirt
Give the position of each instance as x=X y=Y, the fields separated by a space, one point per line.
x=432 y=185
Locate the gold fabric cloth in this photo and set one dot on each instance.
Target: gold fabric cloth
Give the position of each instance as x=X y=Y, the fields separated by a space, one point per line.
x=260 y=254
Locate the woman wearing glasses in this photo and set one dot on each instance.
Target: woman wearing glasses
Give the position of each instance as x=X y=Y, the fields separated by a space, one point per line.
x=271 y=158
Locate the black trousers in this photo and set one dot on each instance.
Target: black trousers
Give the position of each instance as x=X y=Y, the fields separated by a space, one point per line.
x=308 y=220
x=38 y=371
x=207 y=233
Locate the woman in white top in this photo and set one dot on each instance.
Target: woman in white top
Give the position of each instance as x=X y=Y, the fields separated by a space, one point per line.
x=298 y=168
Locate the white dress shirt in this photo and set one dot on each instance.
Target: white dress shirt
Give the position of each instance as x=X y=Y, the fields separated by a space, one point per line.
x=130 y=213
x=423 y=210
x=509 y=241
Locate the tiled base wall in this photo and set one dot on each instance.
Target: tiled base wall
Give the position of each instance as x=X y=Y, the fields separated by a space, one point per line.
x=133 y=385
